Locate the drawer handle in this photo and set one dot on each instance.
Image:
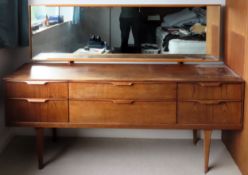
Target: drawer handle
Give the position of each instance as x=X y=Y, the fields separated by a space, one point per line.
x=36 y=82
x=123 y=101
x=122 y=83
x=30 y=100
x=210 y=84
x=210 y=102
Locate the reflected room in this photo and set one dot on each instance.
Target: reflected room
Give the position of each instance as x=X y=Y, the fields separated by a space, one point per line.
x=126 y=30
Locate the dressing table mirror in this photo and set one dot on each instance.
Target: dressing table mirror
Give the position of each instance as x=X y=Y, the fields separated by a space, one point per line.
x=142 y=33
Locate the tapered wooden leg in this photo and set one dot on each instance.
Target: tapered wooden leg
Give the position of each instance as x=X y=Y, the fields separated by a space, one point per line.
x=54 y=134
x=40 y=146
x=195 y=136
x=207 y=143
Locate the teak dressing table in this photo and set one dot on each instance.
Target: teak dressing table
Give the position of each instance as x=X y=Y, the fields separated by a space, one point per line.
x=153 y=96
x=124 y=96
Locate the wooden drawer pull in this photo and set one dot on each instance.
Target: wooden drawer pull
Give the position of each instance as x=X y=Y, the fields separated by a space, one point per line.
x=122 y=83
x=36 y=82
x=30 y=100
x=210 y=84
x=123 y=101
x=210 y=102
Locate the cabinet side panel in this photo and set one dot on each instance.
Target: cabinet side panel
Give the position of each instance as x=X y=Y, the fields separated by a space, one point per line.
x=236 y=53
x=235 y=35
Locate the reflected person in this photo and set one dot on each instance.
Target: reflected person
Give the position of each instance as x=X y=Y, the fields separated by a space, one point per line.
x=130 y=19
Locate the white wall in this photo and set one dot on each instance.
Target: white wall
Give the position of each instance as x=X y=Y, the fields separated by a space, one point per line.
x=60 y=38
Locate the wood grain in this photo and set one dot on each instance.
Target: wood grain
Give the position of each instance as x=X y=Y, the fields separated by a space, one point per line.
x=209 y=91
x=235 y=34
x=107 y=112
x=123 y=58
x=209 y=113
x=28 y=90
x=49 y=111
x=236 y=58
x=207 y=143
x=123 y=72
x=213 y=30
x=124 y=96
x=236 y=55
x=126 y=90
x=236 y=127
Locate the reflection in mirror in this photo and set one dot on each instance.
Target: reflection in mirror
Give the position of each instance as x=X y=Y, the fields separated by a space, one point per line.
x=92 y=30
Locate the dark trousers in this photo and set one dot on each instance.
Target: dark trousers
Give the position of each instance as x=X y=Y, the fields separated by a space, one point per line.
x=127 y=24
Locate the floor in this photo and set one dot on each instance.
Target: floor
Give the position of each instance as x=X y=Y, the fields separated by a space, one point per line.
x=83 y=156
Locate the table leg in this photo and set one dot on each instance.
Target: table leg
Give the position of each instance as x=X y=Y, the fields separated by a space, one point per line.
x=54 y=134
x=195 y=136
x=40 y=146
x=207 y=143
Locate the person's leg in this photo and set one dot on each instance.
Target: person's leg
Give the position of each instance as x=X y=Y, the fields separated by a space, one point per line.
x=136 y=29
x=125 y=28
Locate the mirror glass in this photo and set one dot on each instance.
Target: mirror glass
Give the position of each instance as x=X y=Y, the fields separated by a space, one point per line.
x=161 y=31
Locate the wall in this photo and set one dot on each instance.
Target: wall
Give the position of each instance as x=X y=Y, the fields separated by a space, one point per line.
x=60 y=38
x=10 y=59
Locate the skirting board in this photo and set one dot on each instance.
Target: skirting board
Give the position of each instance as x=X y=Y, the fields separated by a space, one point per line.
x=119 y=133
x=5 y=137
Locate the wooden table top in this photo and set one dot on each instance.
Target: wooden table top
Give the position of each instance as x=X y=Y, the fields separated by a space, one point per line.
x=123 y=72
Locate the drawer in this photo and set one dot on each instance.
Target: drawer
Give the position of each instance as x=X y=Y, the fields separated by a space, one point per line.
x=209 y=91
x=36 y=110
x=36 y=89
x=209 y=112
x=122 y=112
x=122 y=90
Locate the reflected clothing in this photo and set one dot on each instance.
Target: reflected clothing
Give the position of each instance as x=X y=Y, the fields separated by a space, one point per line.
x=129 y=12
x=130 y=19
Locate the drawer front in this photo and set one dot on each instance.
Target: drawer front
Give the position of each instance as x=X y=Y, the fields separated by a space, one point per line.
x=123 y=90
x=121 y=112
x=36 y=89
x=209 y=91
x=36 y=111
x=209 y=112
